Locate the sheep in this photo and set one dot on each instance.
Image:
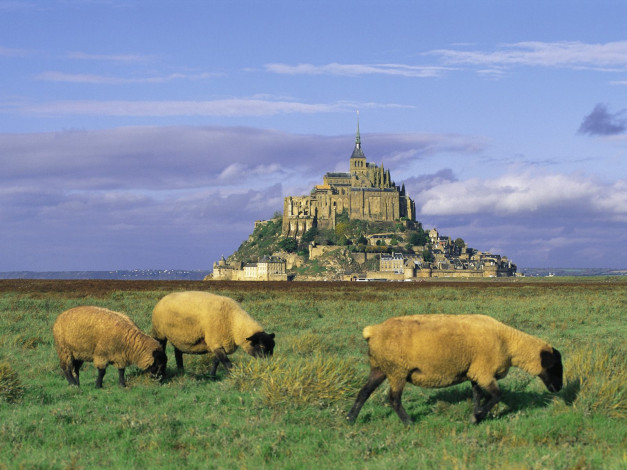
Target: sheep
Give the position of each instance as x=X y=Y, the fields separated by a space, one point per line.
x=434 y=351
x=102 y=336
x=200 y=322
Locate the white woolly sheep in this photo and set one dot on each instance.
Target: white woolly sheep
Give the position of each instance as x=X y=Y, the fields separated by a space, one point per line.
x=436 y=351
x=200 y=322
x=102 y=336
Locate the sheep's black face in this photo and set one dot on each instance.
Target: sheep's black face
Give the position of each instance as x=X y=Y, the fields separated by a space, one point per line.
x=157 y=369
x=261 y=344
x=552 y=370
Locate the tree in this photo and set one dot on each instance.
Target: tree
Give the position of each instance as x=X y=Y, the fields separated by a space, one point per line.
x=362 y=240
x=341 y=229
x=418 y=238
x=309 y=235
x=288 y=244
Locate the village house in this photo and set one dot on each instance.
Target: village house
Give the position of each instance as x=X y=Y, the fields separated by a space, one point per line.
x=268 y=268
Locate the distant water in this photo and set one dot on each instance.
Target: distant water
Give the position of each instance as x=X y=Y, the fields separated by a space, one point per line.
x=543 y=272
x=187 y=275
x=135 y=274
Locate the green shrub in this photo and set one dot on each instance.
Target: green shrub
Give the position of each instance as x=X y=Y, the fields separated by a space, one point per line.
x=11 y=389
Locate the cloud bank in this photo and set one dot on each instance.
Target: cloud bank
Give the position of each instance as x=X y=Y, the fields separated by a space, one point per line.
x=574 y=55
x=611 y=56
x=180 y=197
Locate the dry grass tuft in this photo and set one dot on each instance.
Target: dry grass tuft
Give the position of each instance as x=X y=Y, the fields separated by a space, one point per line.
x=11 y=389
x=304 y=343
x=317 y=381
x=595 y=382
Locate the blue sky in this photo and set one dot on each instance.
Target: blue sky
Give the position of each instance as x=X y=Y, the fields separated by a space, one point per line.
x=152 y=134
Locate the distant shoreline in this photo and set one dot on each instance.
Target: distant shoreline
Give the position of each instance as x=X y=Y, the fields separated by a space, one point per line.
x=198 y=275
x=135 y=274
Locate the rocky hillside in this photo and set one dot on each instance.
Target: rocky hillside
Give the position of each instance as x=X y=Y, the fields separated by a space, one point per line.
x=349 y=236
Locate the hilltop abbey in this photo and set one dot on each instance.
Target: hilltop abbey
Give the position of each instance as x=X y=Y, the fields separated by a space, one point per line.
x=366 y=192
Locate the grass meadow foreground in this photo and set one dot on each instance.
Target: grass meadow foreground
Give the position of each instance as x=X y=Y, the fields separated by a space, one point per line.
x=288 y=411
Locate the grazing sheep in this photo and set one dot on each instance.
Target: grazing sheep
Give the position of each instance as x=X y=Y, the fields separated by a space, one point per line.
x=102 y=336
x=200 y=322
x=435 y=351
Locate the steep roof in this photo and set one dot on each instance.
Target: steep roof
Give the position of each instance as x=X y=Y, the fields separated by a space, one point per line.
x=357 y=152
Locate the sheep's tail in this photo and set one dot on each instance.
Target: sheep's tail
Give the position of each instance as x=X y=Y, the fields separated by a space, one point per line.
x=367 y=333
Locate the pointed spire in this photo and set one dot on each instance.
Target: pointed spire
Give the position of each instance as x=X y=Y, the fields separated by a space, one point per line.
x=358 y=137
x=357 y=152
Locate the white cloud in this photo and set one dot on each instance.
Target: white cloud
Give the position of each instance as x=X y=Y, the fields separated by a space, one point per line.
x=550 y=220
x=127 y=58
x=611 y=56
x=52 y=76
x=12 y=52
x=525 y=194
x=402 y=70
x=224 y=108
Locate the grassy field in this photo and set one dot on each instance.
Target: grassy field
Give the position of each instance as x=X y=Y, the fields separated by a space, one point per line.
x=288 y=411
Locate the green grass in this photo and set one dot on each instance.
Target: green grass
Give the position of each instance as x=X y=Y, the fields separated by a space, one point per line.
x=288 y=411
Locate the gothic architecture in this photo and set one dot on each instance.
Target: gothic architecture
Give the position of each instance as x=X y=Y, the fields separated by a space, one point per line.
x=367 y=192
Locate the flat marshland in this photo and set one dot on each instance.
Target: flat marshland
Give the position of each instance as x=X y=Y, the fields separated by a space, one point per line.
x=288 y=411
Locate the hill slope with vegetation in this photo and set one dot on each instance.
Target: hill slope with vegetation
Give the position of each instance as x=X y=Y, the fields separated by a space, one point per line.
x=349 y=236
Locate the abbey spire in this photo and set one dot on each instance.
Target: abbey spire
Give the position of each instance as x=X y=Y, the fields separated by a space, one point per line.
x=357 y=152
x=358 y=137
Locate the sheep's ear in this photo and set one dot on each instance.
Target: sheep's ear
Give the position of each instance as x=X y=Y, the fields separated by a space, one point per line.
x=271 y=335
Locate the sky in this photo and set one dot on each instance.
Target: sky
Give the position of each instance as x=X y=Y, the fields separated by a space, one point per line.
x=153 y=134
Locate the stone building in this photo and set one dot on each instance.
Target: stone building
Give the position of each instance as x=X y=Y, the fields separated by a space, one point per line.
x=394 y=262
x=366 y=192
x=268 y=268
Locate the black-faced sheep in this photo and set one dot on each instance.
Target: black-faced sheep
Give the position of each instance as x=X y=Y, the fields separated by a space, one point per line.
x=435 y=351
x=102 y=336
x=200 y=322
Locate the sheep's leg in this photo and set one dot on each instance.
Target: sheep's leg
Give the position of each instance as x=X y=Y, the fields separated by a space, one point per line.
x=121 y=377
x=481 y=411
x=178 y=355
x=477 y=395
x=396 y=391
x=220 y=355
x=67 y=371
x=77 y=368
x=375 y=379
x=214 y=366
x=101 y=373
